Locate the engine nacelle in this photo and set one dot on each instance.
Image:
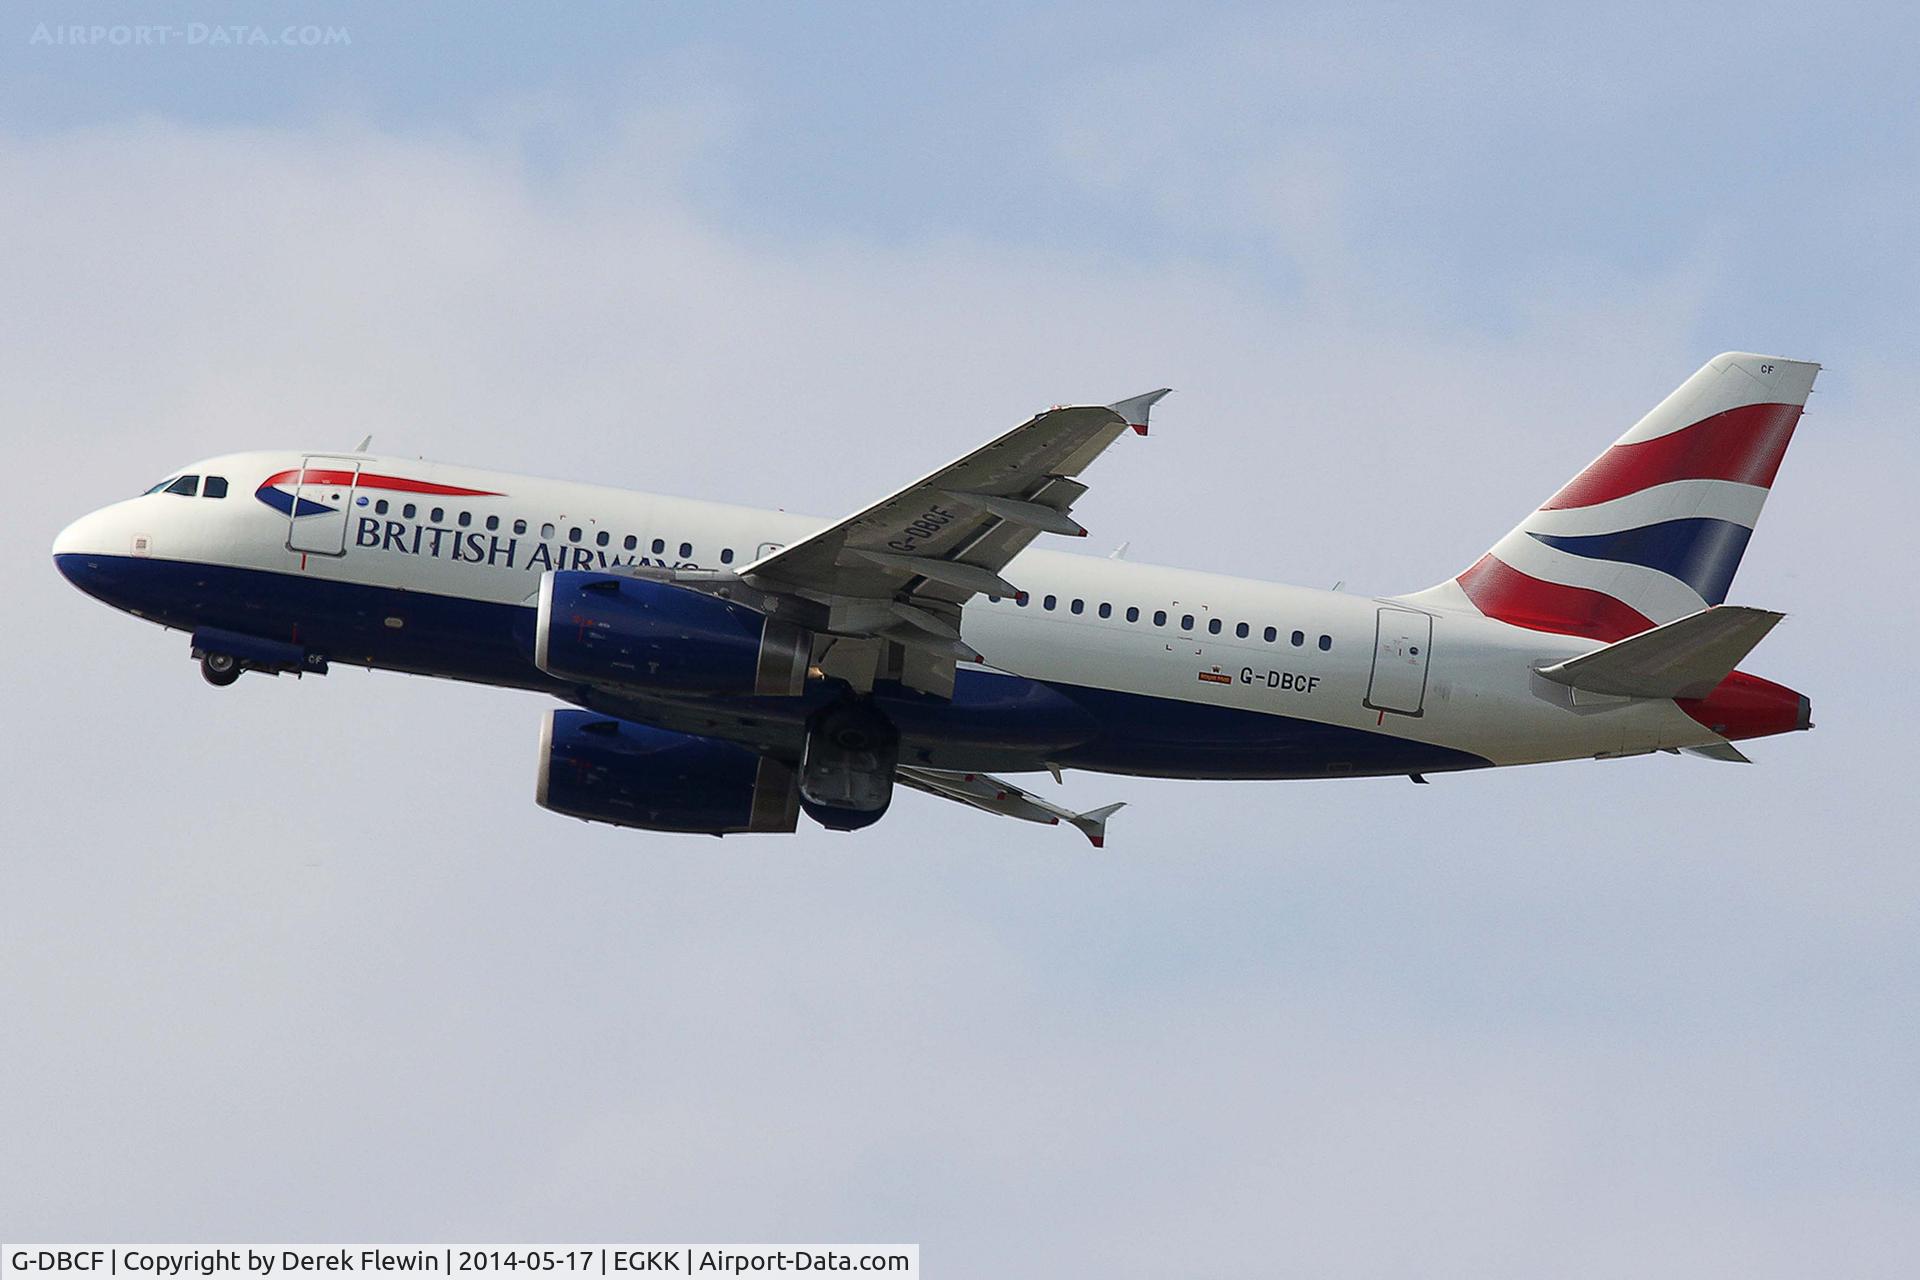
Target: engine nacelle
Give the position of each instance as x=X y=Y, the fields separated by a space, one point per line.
x=607 y=629
x=606 y=770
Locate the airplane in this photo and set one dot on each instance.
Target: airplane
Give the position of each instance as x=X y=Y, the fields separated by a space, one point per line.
x=724 y=669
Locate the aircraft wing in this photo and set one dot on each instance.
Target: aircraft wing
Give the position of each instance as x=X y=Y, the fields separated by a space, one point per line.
x=898 y=571
x=996 y=795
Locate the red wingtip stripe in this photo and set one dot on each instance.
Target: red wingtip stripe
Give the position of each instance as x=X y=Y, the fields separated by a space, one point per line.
x=1502 y=592
x=1744 y=445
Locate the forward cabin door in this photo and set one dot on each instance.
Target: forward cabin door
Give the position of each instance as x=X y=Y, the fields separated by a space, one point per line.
x=323 y=492
x=1401 y=640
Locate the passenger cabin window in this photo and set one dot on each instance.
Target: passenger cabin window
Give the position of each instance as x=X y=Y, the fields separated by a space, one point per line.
x=216 y=487
x=407 y=512
x=185 y=486
x=1213 y=626
x=1106 y=610
x=1049 y=602
x=1186 y=622
x=573 y=534
x=519 y=526
x=493 y=522
x=380 y=507
x=1022 y=599
x=1133 y=613
x=1241 y=631
x=602 y=538
x=1326 y=642
x=1159 y=617
x=439 y=514
x=1271 y=635
x=726 y=555
x=465 y=518
x=1299 y=638
x=631 y=542
x=546 y=529
x=1078 y=606
x=686 y=551
x=659 y=545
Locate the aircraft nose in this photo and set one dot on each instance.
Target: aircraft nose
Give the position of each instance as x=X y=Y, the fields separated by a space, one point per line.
x=92 y=534
x=73 y=540
x=80 y=552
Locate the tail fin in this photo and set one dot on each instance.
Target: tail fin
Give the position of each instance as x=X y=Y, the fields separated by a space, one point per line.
x=1654 y=528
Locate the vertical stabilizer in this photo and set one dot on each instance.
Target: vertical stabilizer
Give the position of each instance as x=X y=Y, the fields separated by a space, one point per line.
x=1655 y=527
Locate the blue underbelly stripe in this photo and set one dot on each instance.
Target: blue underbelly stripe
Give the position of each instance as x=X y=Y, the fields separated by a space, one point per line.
x=1011 y=721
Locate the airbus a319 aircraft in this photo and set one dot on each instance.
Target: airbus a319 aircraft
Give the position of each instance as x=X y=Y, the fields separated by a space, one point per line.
x=726 y=669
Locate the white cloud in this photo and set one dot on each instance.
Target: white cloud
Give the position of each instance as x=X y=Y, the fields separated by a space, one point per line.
x=304 y=957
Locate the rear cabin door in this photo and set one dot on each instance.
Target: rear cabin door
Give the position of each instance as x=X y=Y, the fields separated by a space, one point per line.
x=323 y=493
x=1401 y=640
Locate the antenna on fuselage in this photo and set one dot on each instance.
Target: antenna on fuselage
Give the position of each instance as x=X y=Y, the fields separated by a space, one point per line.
x=365 y=443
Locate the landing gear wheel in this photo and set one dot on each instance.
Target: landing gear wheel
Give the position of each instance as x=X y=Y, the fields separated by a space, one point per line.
x=219 y=669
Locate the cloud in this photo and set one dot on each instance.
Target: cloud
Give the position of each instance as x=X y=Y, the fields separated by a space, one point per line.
x=305 y=957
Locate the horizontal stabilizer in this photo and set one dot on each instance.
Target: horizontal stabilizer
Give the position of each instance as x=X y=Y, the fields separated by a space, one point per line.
x=1684 y=658
x=1723 y=751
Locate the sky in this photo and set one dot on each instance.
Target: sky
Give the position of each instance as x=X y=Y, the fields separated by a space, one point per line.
x=301 y=960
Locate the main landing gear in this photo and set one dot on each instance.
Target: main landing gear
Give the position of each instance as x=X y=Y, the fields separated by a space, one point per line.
x=846 y=769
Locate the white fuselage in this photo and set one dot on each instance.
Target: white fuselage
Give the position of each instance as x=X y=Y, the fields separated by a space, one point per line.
x=1168 y=635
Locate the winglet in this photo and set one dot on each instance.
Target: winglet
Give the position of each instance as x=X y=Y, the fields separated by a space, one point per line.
x=1093 y=823
x=1135 y=410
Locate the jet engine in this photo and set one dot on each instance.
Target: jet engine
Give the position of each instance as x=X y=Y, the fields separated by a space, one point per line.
x=606 y=629
x=606 y=770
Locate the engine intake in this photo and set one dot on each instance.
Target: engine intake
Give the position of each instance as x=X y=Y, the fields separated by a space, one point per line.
x=605 y=770
x=606 y=629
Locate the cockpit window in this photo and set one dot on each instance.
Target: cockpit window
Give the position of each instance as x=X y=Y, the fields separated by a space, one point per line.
x=185 y=486
x=157 y=488
x=216 y=487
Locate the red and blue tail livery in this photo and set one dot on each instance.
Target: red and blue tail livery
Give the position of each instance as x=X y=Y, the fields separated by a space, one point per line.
x=1655 y=527
x=725 y=669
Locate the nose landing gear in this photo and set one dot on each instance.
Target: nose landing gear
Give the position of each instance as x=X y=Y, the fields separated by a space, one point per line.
x=224 y=655
x=220 y=669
